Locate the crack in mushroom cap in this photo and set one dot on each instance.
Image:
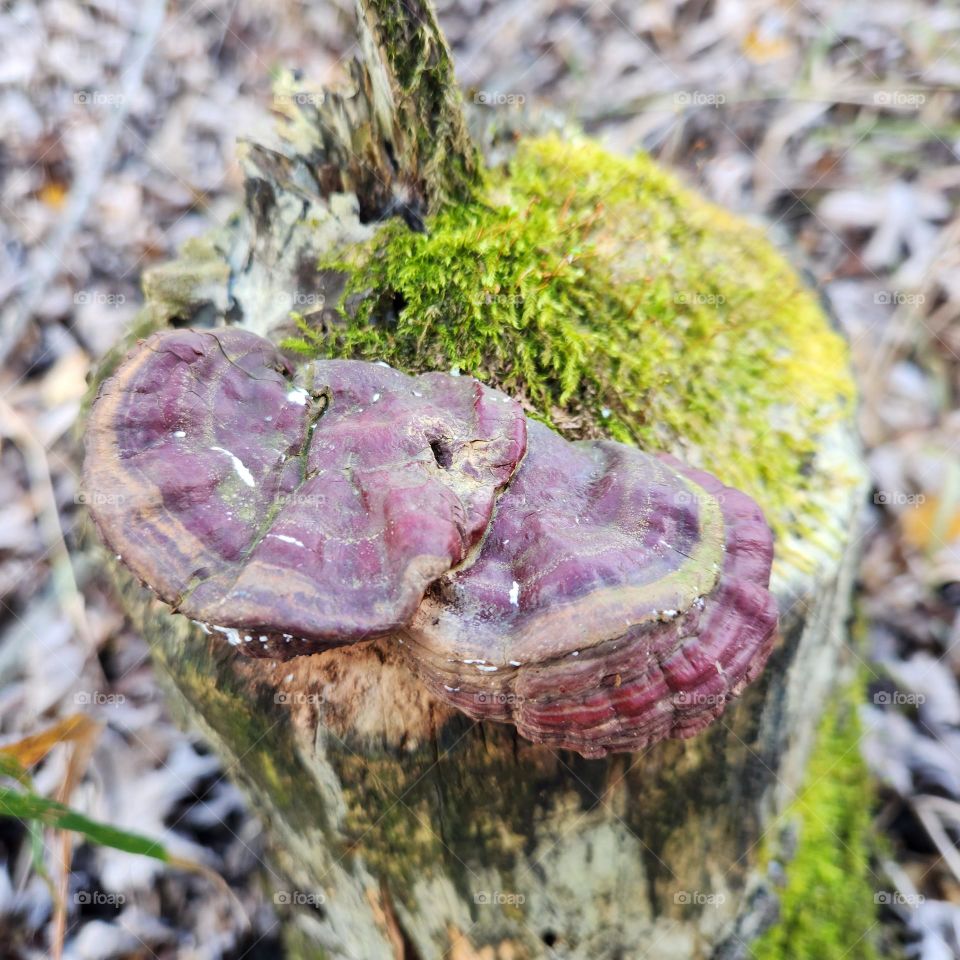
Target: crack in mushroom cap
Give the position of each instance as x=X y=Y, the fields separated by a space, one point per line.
x=618 y=599
x=293 y=513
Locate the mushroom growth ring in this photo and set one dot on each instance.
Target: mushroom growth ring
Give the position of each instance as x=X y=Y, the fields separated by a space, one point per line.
x=597 y=597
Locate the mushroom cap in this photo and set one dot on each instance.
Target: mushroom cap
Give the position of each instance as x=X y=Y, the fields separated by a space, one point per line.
x=597 y=597
x=299 y=512
x=617 y=599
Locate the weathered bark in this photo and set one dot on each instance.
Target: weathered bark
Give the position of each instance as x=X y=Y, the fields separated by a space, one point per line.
x=401 y=828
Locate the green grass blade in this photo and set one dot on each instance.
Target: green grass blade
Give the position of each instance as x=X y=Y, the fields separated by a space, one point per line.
x=36 y=809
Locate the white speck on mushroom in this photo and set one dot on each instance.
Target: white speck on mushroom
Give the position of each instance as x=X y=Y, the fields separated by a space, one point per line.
x=299 y=396
x=417 y=393
x=119 y=557
x=247 y=638
x=231 y=633
x=179 y=433
x=474 y=661
x=242 y=472
x=375 y=398
x=202 y=626
x=489 y=669
x=285 y=539
x=576 y=653
x=515 y=663
x=268 y=419
x=505 y=542
x=451 y=689
x=288 y=678
x=515 y=594
x=263 y=639
x=716 y=663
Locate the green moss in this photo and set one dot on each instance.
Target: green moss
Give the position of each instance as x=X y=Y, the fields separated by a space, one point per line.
x=240 y=714
x=615 y=302
x=448 y=815
x=827 y=909
x=181 y=287
x=300 y=945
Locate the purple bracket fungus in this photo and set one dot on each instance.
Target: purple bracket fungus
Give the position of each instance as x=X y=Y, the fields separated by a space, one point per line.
x=292 y=514
x=595 y=596
x=617 y=599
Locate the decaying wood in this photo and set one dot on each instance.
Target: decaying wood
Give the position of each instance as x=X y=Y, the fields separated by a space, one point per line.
x=400 y=828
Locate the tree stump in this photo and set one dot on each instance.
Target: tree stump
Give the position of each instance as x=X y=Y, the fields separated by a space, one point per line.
x=398 y=827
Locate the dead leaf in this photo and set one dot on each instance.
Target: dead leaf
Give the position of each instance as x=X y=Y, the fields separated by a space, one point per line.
x=78 y=728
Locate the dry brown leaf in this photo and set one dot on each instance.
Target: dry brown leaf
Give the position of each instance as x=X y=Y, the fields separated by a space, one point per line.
x=78 y=728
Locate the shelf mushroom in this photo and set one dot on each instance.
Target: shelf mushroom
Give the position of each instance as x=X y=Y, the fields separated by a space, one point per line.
x=617 y=599
x=597 y=597
x=291 y=515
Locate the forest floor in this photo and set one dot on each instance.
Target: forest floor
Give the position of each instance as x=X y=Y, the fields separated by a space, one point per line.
x=837 y=125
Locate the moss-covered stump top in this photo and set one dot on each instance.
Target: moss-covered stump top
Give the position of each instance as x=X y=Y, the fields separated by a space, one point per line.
x=616 y=302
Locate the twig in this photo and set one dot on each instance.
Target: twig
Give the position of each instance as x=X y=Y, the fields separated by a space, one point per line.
x=15 y=428
x=78 y=760
x=928 y=811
